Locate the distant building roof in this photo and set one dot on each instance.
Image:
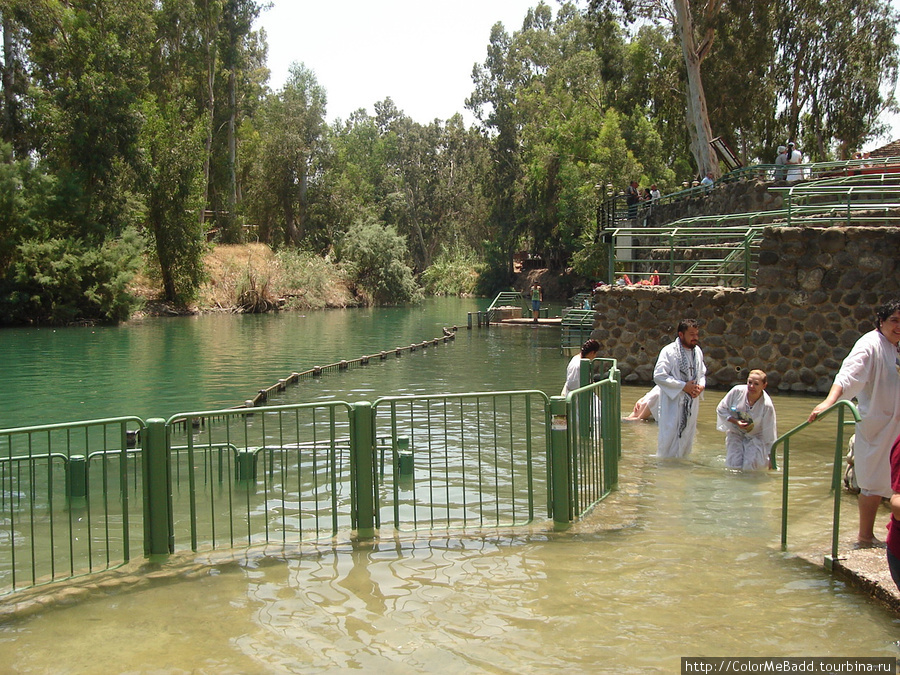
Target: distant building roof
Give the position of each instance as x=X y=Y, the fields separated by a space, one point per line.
x=892 y=149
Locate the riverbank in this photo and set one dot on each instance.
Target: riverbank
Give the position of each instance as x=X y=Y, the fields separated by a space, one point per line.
x=250 y=278
x=253 y=278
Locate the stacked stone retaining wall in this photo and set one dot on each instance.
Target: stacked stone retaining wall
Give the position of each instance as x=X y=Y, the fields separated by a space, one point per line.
x=816 y=292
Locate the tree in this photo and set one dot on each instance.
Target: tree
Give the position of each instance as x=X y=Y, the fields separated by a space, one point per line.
x=90 y=70
x=695 y=42
x=838 y=68
x=173 y=179
x=291 y=149
x=375 y=256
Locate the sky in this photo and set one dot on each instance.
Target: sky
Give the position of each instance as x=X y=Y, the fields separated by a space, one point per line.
x=420 y=53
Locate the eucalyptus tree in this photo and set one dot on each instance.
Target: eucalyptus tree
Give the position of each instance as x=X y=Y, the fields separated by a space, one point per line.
x=837 y=71
x=89 y=67
x=695 y=38
x=172 y=173
x=288 y=161
x=494 y=104
x=14 y=79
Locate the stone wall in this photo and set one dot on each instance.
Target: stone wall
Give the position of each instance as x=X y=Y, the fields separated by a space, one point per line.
x=740 y=197
x=816 y=293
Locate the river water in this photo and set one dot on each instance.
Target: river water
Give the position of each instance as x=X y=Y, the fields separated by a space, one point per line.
x=684 y=560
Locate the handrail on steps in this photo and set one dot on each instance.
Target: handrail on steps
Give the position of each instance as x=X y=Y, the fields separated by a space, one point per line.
x=840 y=406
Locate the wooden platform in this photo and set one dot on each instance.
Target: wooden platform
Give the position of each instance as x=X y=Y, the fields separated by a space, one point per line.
x=554 y=321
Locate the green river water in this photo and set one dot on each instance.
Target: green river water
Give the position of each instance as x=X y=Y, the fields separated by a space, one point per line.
x=683 y=561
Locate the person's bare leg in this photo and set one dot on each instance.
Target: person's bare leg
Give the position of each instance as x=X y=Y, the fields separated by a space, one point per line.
x=868 y=511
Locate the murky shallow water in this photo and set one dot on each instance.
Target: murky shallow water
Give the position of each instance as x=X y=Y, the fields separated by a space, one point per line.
x=683 y=561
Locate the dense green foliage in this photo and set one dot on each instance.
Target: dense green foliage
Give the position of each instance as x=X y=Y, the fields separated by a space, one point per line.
x=141 y=128
x=373 y=254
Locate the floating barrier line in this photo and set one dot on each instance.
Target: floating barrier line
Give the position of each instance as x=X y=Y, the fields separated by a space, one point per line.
x=262 y=396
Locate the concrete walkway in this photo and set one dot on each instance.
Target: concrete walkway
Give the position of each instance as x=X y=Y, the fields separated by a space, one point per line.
x=867 y=569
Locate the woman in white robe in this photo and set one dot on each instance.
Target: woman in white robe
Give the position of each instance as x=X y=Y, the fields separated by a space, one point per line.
x=747 y=417
x=871 y=374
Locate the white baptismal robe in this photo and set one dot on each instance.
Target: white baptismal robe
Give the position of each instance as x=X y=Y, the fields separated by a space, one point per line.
x=667 y=374
x=870 y=374
x=748 y=451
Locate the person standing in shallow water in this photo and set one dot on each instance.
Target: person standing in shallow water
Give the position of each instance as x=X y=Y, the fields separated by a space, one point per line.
x=589 y=350
x=681 y=376
x=747 y=417
x=871 y=374
x=537 y=296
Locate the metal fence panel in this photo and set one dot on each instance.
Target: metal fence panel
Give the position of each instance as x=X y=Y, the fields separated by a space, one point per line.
x=257 y=475
x=463 y=460
x=70 y=500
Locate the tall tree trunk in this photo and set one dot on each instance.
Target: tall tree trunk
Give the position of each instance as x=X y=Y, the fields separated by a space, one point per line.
x=698 y=117
x=302 y=201
x=208 y=36
x=11 y=130
x=231 y=222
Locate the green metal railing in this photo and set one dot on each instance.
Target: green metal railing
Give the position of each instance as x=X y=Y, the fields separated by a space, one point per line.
x=475 y=459
x=78 y=498
x=594 y=435
x=687 y=256
x=272 y=474
x=508 y=299
x=70 y=498
x=576 y=327
x=841 y=408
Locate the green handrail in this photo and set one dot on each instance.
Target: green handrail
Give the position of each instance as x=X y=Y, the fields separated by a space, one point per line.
x=840 y=406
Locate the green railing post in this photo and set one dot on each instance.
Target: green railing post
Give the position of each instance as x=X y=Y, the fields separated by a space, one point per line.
x=584 y=402
x=560 y=464
x=159 y=536
x=77 y=480
x=611 y=252
x=610 y=425
x=362 y=443
x=245 y=466
x=836 y=486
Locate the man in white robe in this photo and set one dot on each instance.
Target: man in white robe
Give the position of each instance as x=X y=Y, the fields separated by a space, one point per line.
x=681 y=376
x=871 y=374
x=747 y=417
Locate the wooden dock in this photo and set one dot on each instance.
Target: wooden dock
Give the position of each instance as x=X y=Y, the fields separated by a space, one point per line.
x=552 y=321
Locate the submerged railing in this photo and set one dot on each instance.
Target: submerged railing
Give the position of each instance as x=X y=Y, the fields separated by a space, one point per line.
x=78 y=498
x=70 y=499
x=841 y=408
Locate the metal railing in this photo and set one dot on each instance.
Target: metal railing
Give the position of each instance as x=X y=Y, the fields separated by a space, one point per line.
x=576 y=327
x=841 y=407
x=70 y=499
x=475 y=459
x=687 y=256
x=594 y=435
x=81 y=497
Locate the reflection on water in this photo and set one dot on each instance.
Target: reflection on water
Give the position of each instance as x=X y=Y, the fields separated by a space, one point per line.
x=682 y=561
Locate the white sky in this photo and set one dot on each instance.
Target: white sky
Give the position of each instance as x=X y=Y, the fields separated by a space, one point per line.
x=418 y=52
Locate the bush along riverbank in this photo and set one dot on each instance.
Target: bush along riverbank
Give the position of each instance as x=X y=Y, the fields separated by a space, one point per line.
x=253 y=278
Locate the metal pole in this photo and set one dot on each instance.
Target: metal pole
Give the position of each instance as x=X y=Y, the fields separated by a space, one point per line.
x=362 y=441
x=560 y=464
x=836 y=486
x=159 y=534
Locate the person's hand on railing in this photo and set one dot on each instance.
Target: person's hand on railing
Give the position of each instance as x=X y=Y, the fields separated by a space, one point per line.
x=833 y=395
